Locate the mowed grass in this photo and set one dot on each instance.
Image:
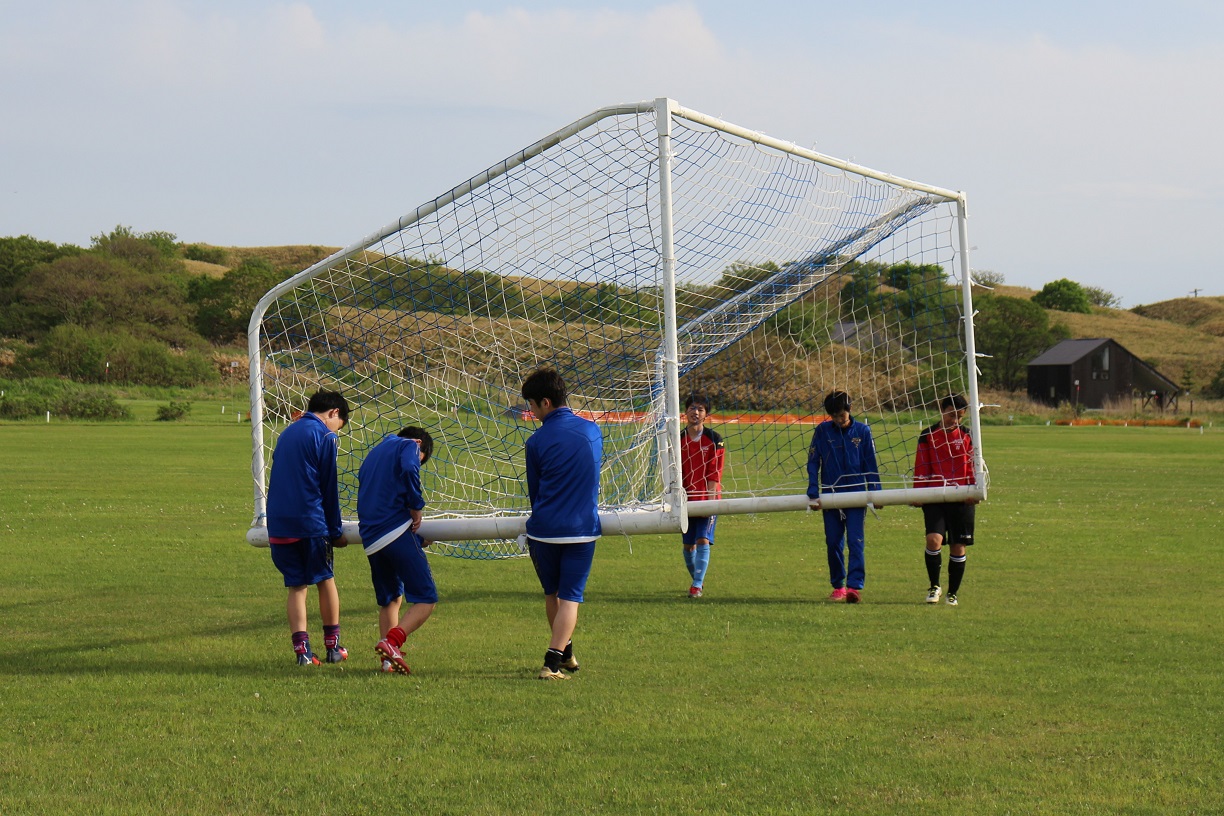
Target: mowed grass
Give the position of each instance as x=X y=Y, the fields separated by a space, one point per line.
x=147 y=666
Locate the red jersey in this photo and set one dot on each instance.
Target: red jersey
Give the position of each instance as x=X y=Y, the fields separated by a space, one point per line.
x=701 y=461
x=945 y=457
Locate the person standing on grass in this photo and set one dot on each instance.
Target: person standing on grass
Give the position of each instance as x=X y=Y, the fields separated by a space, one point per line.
x=841 y=459
x=945 y=457
x=389 y=505
x=701 y=467
x=563 y=458
x=304 y=522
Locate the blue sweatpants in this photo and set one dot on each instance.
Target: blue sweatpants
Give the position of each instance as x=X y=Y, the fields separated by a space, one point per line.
x=844 y=530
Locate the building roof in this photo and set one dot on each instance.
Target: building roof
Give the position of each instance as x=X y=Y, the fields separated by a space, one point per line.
x=1069 y=351
x=1072 y=351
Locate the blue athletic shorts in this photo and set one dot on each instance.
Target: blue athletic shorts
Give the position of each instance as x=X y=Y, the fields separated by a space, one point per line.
x=305 y=562
x=700 y=528
x=562 y=568
x=401 y=568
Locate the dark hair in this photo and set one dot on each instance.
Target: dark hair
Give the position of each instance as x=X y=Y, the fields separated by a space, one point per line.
x=545 y=383
x=413 y=432
x=953 y=401
x=324 y=401
x=697 y=399
x=836 y=402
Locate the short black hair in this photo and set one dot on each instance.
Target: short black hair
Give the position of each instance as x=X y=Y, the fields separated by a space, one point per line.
x=413 y=432
x=836 y=402
x=324 y=401
x=953 y=401
x=545 y=383
x=697 y=399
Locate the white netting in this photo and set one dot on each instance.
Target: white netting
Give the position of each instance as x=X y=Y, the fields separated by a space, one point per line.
x=793 y=278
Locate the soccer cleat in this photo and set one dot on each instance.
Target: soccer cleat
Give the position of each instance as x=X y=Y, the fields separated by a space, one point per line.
x=552 y=674
x=387 y=667
x=933 y=594
x=853 y=595
x=695 y=592
x=952 y=600
x=838 y=594
x=570 y=664
x=336 y=654
x=307 y=659
x=392 y=655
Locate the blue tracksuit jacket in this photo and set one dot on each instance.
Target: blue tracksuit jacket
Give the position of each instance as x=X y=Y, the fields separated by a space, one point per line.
x=389 y=485
x=303 y=496
x=840 y=460
x=563 y=460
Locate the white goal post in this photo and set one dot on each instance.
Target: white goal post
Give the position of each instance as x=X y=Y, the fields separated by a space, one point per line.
x=646 y=251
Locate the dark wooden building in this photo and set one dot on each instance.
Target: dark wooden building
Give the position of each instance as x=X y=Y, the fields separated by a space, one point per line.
x=1092 y=372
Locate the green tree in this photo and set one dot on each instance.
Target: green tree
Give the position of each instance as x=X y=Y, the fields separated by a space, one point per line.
x=1064 y=296
x=95 y=289
x=149 y=251
x=860 y=295
x=1188 y=380
x=224 y=304
x=1102 y=297
x=1215 y=388
x=18 y=257
x=1011 y=331
x=988 y=278
x=905 y=275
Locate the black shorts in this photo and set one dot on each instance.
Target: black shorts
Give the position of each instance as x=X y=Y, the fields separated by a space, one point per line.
x=952 y=521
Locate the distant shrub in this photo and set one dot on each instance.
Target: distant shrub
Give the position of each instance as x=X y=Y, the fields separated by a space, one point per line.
x=1102 y=297
x=988 y=278
x=1064 y=296
x=92 y=356
x=96 y=406
x=26 y=399
x=174 y=411
x=207 y=254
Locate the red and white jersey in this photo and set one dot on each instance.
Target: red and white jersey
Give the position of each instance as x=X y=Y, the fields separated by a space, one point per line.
x=701 y=462
x=945 y=457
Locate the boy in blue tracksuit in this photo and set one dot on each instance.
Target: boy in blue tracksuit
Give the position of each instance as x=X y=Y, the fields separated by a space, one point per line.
x=841 y=459
x=389 y=505
x=304 y=519
x=563 y=458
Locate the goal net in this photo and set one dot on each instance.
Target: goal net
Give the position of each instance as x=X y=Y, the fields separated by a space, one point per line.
x=646 y=251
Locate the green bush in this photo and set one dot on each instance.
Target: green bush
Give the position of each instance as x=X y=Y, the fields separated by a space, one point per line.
x=1063 y=295
x=92 y=356
x=86 y=405
x=174 y=411
x=207 y=254
x=26 y=399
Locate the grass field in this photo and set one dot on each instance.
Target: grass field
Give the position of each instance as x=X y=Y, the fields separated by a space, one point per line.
x=148 y=667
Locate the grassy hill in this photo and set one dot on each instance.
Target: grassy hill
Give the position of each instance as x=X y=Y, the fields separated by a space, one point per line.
x=1173 y=335
x=296 y=257
x=1176 y=336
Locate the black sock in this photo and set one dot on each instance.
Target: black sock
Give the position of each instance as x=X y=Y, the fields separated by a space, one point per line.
x=569 y=651
x=553 y=658
x=934 y=560
x=956 y=571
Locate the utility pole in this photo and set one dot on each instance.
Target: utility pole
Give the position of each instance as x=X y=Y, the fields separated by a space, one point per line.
x=1194 y=292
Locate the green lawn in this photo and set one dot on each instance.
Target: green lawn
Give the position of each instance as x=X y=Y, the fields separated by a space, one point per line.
x=148 y=666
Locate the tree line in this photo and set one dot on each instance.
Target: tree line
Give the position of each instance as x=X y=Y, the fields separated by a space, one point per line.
x=126 y=309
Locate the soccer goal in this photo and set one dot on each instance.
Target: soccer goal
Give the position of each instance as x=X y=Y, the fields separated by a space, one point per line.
x=646 y=251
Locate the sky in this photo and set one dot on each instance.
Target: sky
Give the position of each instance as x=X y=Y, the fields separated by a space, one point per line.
x=1088 y=136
